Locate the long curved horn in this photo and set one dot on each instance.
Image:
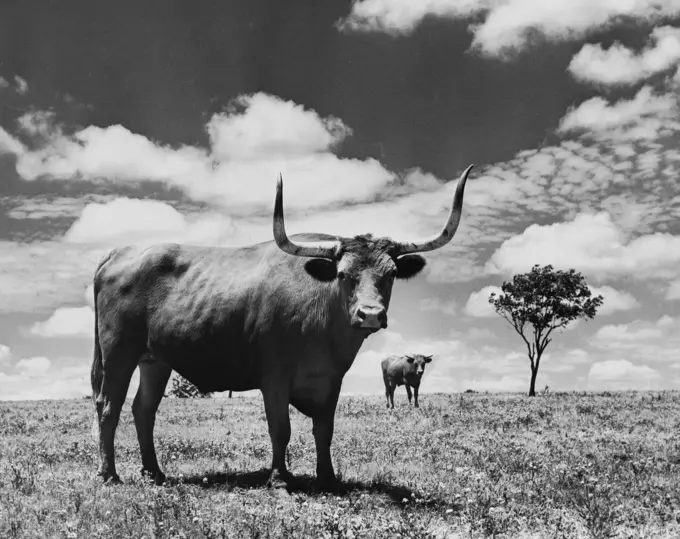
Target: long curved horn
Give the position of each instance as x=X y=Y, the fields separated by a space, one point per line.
x=447 y=233
x=318 y=249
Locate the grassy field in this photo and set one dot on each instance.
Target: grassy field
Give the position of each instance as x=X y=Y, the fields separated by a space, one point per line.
x=463 y=465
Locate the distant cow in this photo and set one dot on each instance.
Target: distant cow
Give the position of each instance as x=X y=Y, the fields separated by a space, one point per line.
x=403 y=371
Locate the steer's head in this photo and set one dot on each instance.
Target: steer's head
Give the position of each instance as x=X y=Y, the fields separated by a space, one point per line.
x=416 y=364
x=365 y=267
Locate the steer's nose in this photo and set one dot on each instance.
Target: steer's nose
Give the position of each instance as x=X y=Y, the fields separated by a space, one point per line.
x=372 y=317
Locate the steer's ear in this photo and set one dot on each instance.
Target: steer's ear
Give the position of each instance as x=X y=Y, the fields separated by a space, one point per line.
x=410 y=359
x=321 y=269
x=409 y=266
x=427 y=359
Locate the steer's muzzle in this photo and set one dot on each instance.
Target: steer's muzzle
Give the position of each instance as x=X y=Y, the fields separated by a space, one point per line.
x=366 y=317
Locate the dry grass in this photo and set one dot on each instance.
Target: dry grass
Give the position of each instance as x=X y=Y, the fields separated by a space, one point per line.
x=470 y=465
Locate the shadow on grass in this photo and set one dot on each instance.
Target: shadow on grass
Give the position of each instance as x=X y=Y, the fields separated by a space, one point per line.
x=303 y=484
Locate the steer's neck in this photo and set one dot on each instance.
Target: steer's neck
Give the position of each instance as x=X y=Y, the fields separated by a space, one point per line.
x=347 y=344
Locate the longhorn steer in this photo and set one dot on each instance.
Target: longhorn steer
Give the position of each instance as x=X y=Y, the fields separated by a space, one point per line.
x=404 y=371
x=286 y=317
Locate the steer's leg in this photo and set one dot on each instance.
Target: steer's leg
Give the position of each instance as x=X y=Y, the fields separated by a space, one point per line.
x=153 y=378
x=393 y=386
x=276 y=402
x=415 y=395
x=323 y=423
x=387 y=390
x=119 y=361
x=408 y=392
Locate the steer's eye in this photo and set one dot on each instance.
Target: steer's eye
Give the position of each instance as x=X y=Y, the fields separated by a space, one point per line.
x=341 y=275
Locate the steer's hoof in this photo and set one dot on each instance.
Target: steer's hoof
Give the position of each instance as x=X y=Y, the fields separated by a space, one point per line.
x=158 y=477
x=111 y=479
x=278 y=480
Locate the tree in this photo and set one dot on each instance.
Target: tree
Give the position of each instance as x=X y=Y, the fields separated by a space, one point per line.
x=547 y=300
x=184 y=389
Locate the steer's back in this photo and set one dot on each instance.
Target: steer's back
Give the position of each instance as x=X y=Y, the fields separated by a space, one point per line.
x=187 y=282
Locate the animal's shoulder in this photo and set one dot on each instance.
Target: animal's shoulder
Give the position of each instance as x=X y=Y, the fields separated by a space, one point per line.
x=391 y=361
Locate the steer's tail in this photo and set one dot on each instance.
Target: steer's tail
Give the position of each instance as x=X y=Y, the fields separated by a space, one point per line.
x=96 y=375
x=97 y=371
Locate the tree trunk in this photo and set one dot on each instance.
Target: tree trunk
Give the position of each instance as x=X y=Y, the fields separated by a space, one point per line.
x=532 y=386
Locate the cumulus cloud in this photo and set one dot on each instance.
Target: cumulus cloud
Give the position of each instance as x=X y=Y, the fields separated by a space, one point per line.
x=594 y=245
x=9 y=144
x=259 y=126
x=125 y=220
x=33 y=366
x=49 y=385
x=447 y=307
x=573 y=177
x=642 y=340
x=619 y=65
x=66 y=322
x=42 y=276
x=255 y=139
x=624 y=335
x=478 y=303
x=673 y=291
x=645 y=116
x=61 y=377
x=4 y=83
x=42 y=382
x=618 y=336
x=565 y=361
x=37 y=123
x=402 y=16
x=51 y=207
x=614 y=300
x=124 y=216
x=510 y=26
x=5 y=356
x=20 y=84
x=622 y=374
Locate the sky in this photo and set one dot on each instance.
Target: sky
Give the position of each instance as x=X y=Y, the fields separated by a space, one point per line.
x=169 y=121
